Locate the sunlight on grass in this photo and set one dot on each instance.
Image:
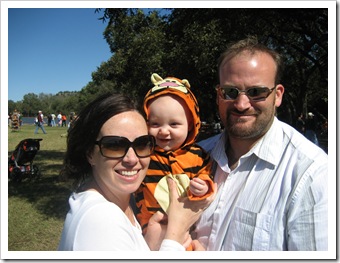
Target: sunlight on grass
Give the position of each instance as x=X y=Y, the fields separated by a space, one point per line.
x=30 y=230
x=37 y=209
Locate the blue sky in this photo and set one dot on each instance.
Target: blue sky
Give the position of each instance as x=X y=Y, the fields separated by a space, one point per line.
x=53 y=49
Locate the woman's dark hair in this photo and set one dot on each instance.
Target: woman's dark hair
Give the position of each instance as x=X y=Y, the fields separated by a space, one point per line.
x=85 y=129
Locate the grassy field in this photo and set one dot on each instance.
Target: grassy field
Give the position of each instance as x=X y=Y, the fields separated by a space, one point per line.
x=37 y=209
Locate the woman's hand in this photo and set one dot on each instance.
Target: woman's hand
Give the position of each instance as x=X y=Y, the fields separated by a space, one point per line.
x=183 y=213
x=156 y=230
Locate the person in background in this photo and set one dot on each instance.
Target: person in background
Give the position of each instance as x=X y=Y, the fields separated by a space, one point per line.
x=301 y=125
x=59 y=119
x=108 y=153
x=72 y=117
x=63 y=120
x=53 y=120
x=39 y=123
x=15 y=122
x=311 y=128
x=173 y=119
x=20 y=119
x=49 y=120
x=272 y=181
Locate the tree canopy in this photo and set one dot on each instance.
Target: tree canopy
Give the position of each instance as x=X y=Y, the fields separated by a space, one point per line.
x=186 y=42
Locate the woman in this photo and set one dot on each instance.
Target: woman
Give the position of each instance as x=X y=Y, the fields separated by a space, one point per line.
x=108 y=149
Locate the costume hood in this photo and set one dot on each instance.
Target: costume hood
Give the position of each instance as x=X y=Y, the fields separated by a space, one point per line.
x=180 y=88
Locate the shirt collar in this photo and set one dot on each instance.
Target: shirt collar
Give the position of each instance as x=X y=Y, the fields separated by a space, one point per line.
x=268 y=147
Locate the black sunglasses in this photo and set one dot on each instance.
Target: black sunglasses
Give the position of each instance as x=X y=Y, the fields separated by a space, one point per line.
x=253 y=93
x=116 y=147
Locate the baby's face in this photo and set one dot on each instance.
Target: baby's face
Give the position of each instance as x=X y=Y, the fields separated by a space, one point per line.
x=168 y=122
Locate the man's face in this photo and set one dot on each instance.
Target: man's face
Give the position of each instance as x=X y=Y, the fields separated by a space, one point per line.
x=242 y=117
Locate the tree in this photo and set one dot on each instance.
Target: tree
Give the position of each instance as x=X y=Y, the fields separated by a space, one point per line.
x=137 y=42
x=31 y=105
x=299 y=34
x=186 y=42
x=12 y=106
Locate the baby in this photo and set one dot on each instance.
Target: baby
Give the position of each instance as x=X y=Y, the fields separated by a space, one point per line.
x=173 y=119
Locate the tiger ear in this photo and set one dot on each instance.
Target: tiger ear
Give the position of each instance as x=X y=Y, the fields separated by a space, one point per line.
x=186 y=83
x=156 y=78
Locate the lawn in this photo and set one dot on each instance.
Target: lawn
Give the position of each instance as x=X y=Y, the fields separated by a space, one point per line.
x=37 y=209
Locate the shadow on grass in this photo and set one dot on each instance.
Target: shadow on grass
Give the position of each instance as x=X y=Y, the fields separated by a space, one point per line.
x=48 y=194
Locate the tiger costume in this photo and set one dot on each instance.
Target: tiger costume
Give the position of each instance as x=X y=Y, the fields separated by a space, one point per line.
x=189 y=159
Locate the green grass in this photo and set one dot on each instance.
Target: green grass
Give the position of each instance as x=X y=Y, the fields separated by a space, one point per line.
x=37 y=209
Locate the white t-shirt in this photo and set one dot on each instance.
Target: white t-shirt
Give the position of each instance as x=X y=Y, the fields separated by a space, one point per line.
x=93 y=223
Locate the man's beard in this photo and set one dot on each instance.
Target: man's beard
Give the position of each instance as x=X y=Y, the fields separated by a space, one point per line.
x=244 y=130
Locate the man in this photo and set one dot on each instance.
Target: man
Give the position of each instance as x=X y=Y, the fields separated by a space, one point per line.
x=272 y=181
x=39 y=123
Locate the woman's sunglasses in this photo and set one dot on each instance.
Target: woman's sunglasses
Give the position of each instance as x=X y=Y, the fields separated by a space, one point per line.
x=116 y=147
x=254 y=93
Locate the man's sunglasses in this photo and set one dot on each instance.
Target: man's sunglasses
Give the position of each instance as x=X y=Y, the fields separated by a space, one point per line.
x=116 y=147
x=253 y=93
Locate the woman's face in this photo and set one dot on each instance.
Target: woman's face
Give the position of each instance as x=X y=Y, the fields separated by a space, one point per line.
x=120 y=177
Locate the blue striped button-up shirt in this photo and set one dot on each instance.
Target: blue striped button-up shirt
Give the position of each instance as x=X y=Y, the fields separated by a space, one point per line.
x=276 y=198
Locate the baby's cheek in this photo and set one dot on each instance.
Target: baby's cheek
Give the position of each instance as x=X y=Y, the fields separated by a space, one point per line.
x=153 y=131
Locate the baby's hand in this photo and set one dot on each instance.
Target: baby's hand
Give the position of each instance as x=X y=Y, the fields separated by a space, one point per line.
x=198 y=187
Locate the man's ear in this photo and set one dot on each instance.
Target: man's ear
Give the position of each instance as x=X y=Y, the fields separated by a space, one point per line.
x=279 y=94
x=217 y=98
